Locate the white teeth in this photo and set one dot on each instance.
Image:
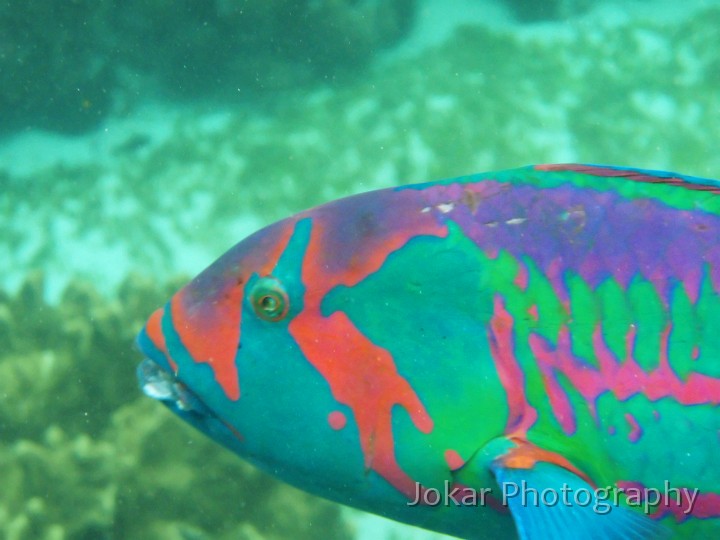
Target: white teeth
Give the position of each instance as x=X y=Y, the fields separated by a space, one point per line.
x=159 y=390
x=155 y=382
x=158 y=384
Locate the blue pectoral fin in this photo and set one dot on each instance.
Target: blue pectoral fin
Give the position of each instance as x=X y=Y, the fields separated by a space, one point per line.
x=549 y=502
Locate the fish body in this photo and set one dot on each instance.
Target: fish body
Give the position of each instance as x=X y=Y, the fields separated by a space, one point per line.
x=530 y=353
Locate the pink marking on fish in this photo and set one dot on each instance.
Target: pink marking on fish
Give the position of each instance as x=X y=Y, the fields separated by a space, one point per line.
x=521 y=278
x=678 y=501
x=635 y=429
x=554 y=273
x=337 y=420
x=707 y=505
x=623 y=379
x=502 y=344
x=630 y=337
x=691 y=283
x=453 y=459
x=559 y=401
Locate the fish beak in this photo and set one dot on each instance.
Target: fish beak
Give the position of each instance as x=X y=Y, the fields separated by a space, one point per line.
x=159 y=384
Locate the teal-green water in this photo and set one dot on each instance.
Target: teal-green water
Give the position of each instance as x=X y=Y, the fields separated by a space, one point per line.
x=139 y=141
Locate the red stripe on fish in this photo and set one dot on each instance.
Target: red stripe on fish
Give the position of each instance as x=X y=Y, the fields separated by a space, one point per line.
x=363 y=376
x=502 y=345
x=624 y=379
x=680 y=502
x=629 y=174
x=153 y=329
x=207 y=313
x=354 y=366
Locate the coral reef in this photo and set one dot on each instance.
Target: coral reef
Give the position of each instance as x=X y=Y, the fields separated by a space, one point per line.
x=636 y=93
x=83 y=455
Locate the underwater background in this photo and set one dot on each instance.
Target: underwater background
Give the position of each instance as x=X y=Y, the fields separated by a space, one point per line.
x=140 y=139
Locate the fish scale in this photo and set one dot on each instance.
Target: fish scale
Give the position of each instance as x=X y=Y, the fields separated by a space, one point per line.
x=552 y=328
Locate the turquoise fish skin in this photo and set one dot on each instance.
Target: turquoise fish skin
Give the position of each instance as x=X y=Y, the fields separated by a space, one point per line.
x=554 y=327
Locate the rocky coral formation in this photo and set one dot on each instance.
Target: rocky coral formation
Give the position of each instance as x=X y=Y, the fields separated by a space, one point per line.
x=55 y=65
x=64 y=66
x=241 y=47
x=83 y=455
x=548 y=9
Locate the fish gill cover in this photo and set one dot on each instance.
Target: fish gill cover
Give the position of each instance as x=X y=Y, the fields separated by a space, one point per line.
x=163 y=192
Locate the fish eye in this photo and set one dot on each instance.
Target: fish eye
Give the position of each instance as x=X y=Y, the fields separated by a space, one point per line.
x=269 y=299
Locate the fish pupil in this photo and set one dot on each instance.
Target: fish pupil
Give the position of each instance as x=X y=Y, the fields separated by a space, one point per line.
x=269 y=304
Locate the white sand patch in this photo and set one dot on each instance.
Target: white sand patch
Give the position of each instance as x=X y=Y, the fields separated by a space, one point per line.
x=371 y=527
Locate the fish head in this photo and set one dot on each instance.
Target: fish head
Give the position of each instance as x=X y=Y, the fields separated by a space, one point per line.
x=248 y=353
x=219 y=354
x=283 y=350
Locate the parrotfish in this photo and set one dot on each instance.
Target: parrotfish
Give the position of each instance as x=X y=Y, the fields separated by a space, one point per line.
x=530 y=353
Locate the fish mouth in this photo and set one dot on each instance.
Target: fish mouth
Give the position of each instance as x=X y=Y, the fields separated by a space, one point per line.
x=159 y=384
